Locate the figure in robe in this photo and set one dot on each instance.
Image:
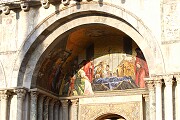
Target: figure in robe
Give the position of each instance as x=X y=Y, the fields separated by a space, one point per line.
x=141 y=68
x=89 y=70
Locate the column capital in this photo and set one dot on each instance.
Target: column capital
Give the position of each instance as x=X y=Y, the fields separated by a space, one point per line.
x=177 y=77
x=168 y=79
x=146 y=97
x=74 y=101
x=4 y=94
x=20 y=93
x=64 y=103
x=158 y=82
x=47 y=99
x=150 y=83
x=53 y=101
x=34 y=94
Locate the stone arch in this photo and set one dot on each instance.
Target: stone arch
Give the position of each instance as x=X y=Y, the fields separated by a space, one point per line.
x=3 y=83
x=110 y=115
x=64 y=20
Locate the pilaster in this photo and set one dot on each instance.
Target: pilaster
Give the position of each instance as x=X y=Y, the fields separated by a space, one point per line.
x=33 y=106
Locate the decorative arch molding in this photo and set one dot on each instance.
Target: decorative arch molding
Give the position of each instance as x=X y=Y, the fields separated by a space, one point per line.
x=46 y=32
x=3 y=82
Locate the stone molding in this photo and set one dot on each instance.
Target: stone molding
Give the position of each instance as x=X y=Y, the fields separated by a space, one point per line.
x=24 y=5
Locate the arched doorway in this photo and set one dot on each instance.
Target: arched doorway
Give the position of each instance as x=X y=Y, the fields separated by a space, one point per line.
x=110 y=117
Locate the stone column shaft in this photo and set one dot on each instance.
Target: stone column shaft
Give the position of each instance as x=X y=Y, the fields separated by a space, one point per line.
x=46 y=108
x=60 y=112
x=152 y=108
x=51 y=109
x=158 y=84
x=4 y=104
x=56 y=111
x=40 y=107
x=65 y=109
x=20 y=98
x=178 y=97
x=33 y=106
x=168 y=98
x=74 y=110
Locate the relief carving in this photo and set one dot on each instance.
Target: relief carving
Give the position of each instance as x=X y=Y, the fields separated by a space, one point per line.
x=171 y=21
x=130 y=111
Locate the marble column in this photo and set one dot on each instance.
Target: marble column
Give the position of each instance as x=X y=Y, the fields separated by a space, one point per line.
x=51 y=109
x=152 y=108
x=4 y=104
x=0 y=105
x=56 y=110
x=178 y=97
x=33 y=106
x=40 y=107
x=46 y=108
x=65 y=111
x=20 y=98
x=168 y=97
x=158 y=86
x=60 y=112
x=74 y=109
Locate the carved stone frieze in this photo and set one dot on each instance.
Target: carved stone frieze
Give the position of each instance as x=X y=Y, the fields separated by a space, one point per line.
x=130 y=111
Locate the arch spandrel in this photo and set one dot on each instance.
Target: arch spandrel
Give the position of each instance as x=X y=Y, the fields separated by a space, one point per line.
x=146 y=41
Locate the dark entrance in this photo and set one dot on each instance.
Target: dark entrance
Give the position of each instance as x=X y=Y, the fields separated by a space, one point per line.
x=111 y=117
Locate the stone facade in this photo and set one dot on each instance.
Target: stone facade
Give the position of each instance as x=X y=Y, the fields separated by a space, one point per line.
x=29 y=30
